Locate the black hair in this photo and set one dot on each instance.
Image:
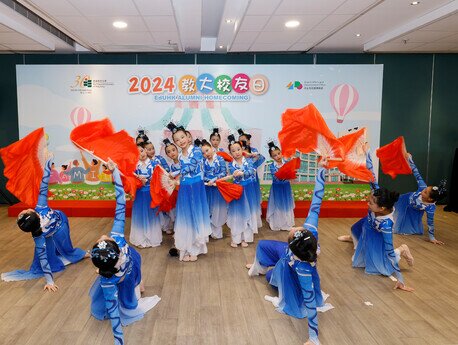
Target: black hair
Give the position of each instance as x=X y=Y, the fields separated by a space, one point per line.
x=386 y=198
x=65 y=166
x=272 y=147
x=30 y=222
x=438 y=192
x=142 y=145
x=141 y=135
x=242 y=133
x=304 y=245
x=148 y=143
x=231 y=140
x=198 y=142
x=215 y=133
x=175 y=129
x=167 y=142
x=245 y=145
x=104 y=256
x=204 y=142
x=95 y=161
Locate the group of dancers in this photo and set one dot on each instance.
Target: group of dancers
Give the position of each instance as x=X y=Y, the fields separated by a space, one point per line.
x=200 y=213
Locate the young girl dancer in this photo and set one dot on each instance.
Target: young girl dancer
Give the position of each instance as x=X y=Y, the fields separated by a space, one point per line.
x=171 y=151
x=155 y=159
x=372 y=236
x=214 y=169
x=280 y=207
x=241 y=217
x=51 y=234
x=258 y=159
x=115 y=294
x=295 y=273
x=192 y=222
x=145 y=230
x=215 y=140
x=409 y=210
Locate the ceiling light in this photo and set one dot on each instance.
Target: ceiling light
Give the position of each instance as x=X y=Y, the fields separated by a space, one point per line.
x=358 y=35
x=228 y=21
x=292 y=24
x=120 y=25
x=415 y=2
x=221 y=47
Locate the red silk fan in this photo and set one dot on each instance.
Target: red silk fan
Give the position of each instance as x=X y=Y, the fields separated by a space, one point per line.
x=354 y=164
x=393 y=158
x=288 y=170
x=306 y=131
x=229 y=191
x=225 y=156
x=162 y=190
x=24 y=163
x=100 y=140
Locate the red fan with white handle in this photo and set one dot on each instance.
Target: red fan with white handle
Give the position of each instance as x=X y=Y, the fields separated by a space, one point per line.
x=163 y=190
x=225 y=156
x=229 y=191
x=393 y=158
x=288 y=170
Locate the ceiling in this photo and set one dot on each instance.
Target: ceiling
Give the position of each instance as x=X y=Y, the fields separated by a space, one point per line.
x=220 y=26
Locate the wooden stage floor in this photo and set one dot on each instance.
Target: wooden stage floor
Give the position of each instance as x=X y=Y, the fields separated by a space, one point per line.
x=213 y=301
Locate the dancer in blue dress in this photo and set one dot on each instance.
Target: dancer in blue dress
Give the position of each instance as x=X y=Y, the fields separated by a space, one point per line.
x=372 y=236
x=146 y=228
x=51 y=233
x=411 y=207
x=192 y=222
x=258 y=159
x=214 y=169
x=295 y=273
x=242 y=213
x=115 y=294
x=171 y=151
x=280 y=207
x=215 y=140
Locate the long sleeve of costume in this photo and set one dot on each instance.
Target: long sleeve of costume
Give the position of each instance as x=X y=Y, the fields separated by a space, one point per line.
x=374 y=185
x=194 y=162
x=317 y=199
x=308 y=293
x=110 y=293
x=43 y=196
x=430 y=210
x=420 y=182
x=221 y=172
x=250 y=171
x=387 y=233
x=120 y=213
x=40 y=248
x=258 y=162
x=163 y=163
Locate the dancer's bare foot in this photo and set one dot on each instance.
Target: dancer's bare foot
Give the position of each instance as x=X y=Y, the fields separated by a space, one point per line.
x=169 y=232
x=87 y=255
x=192 y=258
x=345 y=238
x=244 y=244
x=406 y=254
x=186 y=258
x=248 y=266
x=234 y=245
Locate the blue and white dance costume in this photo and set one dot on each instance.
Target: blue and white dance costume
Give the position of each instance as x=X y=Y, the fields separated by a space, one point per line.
x=175 y=170
x=242 y=213
x=118 y=298
x=373 y=241
x=53 y=248
x=280 y=207
x=409 y=210
x=256 y=164
x=298 y=282
x=145 y=229
x=192 y=222
x=213 y=171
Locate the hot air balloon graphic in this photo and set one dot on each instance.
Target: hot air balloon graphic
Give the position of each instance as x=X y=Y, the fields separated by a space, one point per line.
x=344 y=98
x=80 y=115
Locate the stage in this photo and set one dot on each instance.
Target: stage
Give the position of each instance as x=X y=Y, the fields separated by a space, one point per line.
x=329 y=209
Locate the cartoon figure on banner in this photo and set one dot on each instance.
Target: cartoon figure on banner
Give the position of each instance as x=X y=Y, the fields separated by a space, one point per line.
x=344 y=98
x=80 y=115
